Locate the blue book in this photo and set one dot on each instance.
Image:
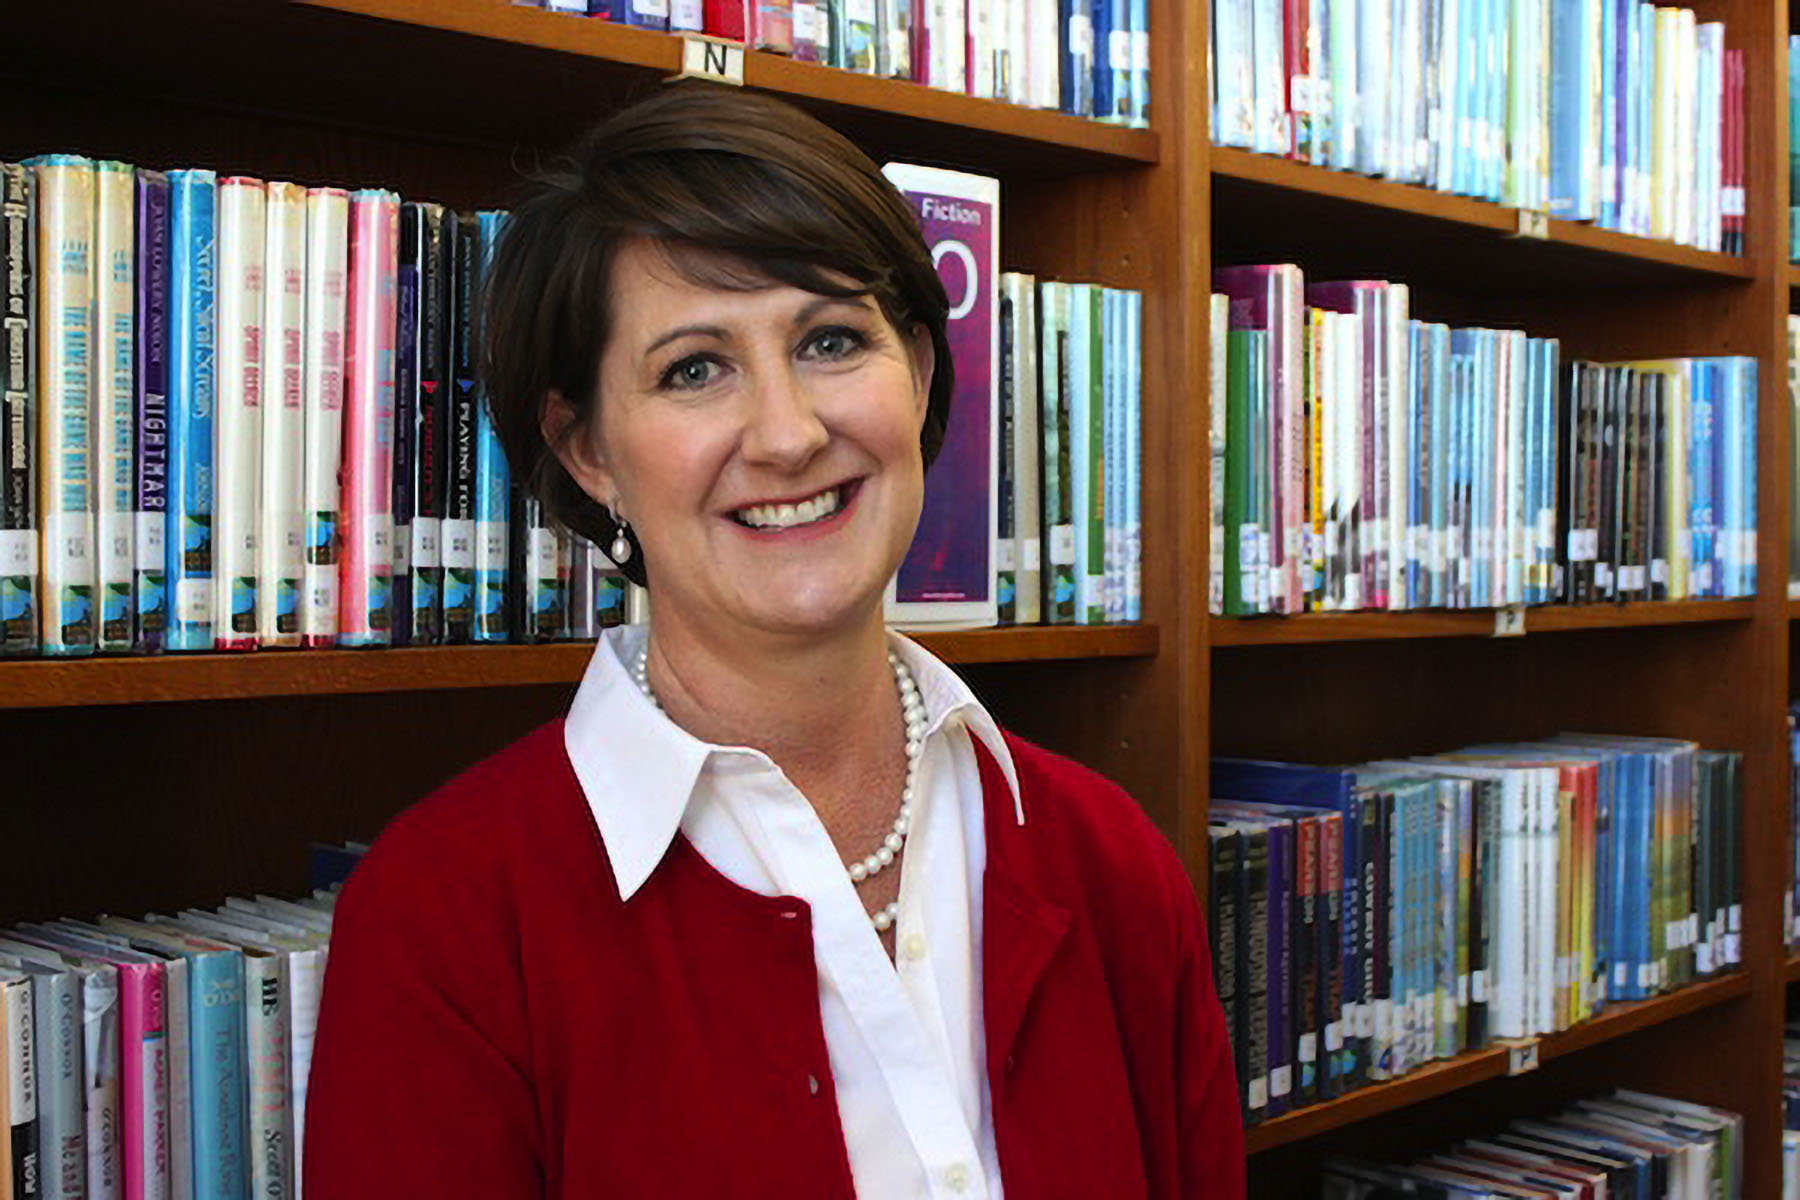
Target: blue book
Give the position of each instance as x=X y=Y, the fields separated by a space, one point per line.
x=1343 y=45
x=1703 y=577
x=1742 y=373
x=188 y=552
x=1108 y=20
x=1481 y=424
x=1086 y=451
x=1139 y=108
x=1279 y=966
x=1075 y=41
x=492 y=494
x=1606 y=199
x=1571 y=107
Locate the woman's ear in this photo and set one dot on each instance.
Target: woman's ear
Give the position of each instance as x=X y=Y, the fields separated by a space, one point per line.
x=576 y=444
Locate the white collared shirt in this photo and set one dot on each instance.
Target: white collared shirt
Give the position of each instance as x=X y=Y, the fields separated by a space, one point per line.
x=905 y=1038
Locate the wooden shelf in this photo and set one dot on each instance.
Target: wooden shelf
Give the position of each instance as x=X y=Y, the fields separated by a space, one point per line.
x=1390 y=626
x=530 y=80
x=1790 y=968
x=61 y=683
x=1428 y=232
x=1439 y=1078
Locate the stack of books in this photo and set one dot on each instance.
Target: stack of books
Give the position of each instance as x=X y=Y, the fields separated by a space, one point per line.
x=161 y=1057
x=1626 y=1144
x=1088 y=58
x=1363 y=459
x=1366 y=920
x=1616 y=112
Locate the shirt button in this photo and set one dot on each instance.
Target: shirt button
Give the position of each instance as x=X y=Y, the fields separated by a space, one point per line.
x=957 y=1176
x=913 y=947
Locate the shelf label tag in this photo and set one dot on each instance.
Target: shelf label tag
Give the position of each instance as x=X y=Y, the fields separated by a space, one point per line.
x=1509 y=621
x=703 y=58
x=1521 y=1057
x=1533 y=224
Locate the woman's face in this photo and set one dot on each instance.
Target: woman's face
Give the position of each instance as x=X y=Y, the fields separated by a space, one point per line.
x=764 y=445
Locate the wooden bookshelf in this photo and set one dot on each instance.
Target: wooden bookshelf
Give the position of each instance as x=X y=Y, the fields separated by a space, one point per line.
x=1493 y=1062
x=51 y=683
x=1481 y=622
x=179 y=780
x=1790 y=968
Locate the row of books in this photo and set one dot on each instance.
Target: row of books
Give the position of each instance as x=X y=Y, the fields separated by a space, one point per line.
x=1627 y=1146
x=1617 y=112
x=1070 y=454
x=1367 y=920
x=244 y=414
x=1089 y=58
x=1365 y=459
x=163 y=1057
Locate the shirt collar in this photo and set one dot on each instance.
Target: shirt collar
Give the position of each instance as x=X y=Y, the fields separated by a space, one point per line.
x=638 y=769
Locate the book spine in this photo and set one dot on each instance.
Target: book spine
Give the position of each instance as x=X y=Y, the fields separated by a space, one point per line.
x=151 y=380
x=144 y=1132
x=327 y=293
x=18 y=1027
x=280 y=535
x=237 y=427
x=687 y=16
x=1134 y=456
x=365 y=569
x=19 y=463
x=306 y=980
x=1027 y=447
x=410 y=255
x=216 y=1048
x=647 y=14
x=65 y=355
x=492 y=494
x=1222 y=922
x=1058 y=518
x=458 y=537
x=100 y=1084
x=113 y=414
x=1257 y=929
x=432 y=426
x=266 y=1031
x=193 y=214
x=1006 y=545
x=861 y=36
x=1278 y=957
x=726 y=19
x=62 y=1127
x=772 y=25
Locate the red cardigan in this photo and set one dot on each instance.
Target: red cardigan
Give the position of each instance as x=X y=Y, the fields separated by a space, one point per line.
x=497 y=1023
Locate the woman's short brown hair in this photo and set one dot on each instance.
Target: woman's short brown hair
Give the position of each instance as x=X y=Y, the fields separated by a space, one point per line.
x=764 y=193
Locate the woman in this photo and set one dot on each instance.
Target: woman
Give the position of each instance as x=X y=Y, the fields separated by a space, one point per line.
x=777 y=910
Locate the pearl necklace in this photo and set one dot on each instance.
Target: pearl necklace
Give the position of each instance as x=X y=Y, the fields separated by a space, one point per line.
x=913 y=710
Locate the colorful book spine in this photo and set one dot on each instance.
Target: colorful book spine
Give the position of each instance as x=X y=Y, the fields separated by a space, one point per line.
x=1058 y=507
x=365 y=567
x=18 y=419
x=237 y=428
x=216 y=1048
x=327 y=293
x=432 y=425
x=772 y=25
x=65 y=439
x=463 y=409
x=151 y=442
x=193 y=217
x=493 y=493
x=281 y=528
x=114 y=413
x=411 y=252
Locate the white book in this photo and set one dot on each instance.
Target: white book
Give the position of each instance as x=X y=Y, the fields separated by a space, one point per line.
x=280 y=529
x=1134 y=456
x=114 y=413
x=237 y=425
x=1347 y=429
x=1687 y=127
x=327 y=273
x=1217 y=329
x=947 y=44
x=65 y=225
x=1401 y=454
x=986 y=28
x=1043 y=56
x=1015 y=54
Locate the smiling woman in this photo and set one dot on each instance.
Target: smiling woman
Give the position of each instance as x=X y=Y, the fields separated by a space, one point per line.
x=777 y=910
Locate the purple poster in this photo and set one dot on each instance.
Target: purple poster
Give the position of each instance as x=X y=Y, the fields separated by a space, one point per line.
x=950 y=560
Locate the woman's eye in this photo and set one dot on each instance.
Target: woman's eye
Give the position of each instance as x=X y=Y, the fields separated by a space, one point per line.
x=833 y=343
x=693 y=372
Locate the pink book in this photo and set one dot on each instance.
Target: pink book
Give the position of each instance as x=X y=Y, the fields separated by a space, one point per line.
x=144 y=1059
x=365 y=565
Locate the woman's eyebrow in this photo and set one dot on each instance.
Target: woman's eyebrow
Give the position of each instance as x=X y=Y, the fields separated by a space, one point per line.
x=812 y=309
x=712 y=331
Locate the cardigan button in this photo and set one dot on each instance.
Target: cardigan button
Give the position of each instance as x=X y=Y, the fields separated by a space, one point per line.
x=1011 y=1064
x=812 y=1084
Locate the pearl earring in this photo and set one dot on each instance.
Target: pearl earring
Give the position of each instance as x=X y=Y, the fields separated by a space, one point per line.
x=621 y=545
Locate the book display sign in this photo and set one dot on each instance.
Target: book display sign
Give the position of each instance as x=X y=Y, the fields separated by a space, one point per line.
x=947 y=577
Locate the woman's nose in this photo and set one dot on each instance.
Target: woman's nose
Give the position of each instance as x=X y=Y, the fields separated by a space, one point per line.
x=784 y=429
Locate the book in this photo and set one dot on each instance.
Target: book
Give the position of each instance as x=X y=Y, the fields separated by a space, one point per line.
x=280 y=534
x=18 y=430
x=327 y=315
x=193 y=282
x=946 y=579
x=114 y=410
x=365 y=567
x=18 y=1096
x=65 y=229
x=431 y=437
x=237 y=419
x=492 y=493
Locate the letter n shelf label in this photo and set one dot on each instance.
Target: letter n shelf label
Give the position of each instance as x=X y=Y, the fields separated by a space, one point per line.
x=721 y=62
